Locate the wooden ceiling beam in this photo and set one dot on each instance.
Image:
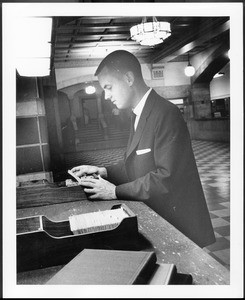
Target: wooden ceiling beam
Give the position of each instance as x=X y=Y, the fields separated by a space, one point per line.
x=110 y=25
x=81 y=44
x=94 y=48
x=213 y=64
x=95 y=27
x=121 y=35
x=190 y=42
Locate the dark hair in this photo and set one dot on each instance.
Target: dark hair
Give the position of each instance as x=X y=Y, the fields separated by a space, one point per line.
x=120 y=60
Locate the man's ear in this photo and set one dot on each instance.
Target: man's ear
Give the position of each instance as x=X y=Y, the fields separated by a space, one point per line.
x=129 y=76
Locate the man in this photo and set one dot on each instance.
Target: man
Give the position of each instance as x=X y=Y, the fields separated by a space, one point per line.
x=159 y=167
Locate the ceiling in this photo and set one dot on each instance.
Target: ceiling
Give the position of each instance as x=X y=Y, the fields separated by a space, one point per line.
x=84 y=41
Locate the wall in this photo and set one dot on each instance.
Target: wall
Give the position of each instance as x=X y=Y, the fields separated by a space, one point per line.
x=197 y=109
x=70 y=76
x=173 y=75
x=210 y=130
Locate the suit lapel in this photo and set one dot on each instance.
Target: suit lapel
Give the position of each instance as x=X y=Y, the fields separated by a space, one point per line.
x=142 y=122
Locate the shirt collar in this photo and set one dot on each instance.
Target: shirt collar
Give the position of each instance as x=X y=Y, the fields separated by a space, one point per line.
x=139 y=107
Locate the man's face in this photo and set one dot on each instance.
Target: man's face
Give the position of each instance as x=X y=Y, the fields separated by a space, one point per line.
x=117 y=88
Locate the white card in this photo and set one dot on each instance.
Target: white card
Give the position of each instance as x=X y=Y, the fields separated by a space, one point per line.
x=143 y=151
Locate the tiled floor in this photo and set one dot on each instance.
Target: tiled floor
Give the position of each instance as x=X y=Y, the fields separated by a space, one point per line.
x=213 y=161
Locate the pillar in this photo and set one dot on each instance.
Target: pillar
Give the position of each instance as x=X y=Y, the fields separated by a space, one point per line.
x=200 y=95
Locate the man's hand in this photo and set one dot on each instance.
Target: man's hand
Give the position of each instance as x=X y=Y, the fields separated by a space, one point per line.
x=99 y=188
x=88 y=170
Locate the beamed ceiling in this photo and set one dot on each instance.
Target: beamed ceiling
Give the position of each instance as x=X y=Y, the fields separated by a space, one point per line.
x=84 y=41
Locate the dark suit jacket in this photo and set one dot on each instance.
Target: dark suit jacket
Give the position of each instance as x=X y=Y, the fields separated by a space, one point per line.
x=159 y=169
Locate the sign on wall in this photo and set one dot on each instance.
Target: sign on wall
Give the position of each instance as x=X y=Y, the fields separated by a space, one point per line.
x=157 y=73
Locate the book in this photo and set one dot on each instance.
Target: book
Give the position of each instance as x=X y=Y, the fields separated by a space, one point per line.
x=107 y=267
x=118 y=267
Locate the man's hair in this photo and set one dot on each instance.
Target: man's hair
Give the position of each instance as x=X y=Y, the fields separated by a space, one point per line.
x=120 y=60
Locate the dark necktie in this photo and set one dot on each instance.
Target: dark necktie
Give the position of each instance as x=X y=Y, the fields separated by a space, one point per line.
x=133 y=116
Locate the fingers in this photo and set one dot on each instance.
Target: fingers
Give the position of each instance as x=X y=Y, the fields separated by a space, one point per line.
x=80 y=171
x=94 y=196
x=76 y=169
x=87 y=180
x=89 y=191
x=87 y=184
x=79 y=168
x=98 y=188
x=91 y=187
x=76 y=172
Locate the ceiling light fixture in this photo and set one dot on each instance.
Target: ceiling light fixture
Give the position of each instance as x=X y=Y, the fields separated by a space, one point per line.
x=150 y=33
x=34 y=46
x=219 y=74
x=90 y=89
x=189 y=69
x=33 y=67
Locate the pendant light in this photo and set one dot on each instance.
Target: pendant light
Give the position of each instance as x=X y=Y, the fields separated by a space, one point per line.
x=189 y=69
x=150 y=33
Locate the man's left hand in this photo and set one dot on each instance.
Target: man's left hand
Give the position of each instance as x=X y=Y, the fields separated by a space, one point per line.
x=98 y=188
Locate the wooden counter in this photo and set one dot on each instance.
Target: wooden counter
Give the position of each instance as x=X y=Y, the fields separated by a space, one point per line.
x=169 y=244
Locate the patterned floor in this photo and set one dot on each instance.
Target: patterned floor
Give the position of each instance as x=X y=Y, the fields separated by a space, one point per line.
x=213 y=161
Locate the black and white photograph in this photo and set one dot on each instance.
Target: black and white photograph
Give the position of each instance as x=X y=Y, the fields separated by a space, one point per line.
x=122 y=149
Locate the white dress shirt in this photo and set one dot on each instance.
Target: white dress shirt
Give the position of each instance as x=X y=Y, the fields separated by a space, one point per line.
x=139 y=108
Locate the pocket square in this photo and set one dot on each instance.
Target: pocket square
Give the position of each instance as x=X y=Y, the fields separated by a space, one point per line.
x=143 y=151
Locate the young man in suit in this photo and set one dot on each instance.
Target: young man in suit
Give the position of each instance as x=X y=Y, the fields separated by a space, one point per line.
x=159 y=167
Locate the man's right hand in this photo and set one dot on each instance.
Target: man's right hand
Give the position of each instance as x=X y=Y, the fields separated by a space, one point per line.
x=89 y=170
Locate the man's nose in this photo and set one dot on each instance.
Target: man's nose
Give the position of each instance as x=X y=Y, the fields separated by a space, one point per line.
x=107 y=95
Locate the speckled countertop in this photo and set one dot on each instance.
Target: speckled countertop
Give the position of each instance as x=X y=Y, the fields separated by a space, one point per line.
x=170 y=245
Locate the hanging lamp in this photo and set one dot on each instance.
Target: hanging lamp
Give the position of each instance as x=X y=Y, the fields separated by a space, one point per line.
x=150 y=33
x=189 y=69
